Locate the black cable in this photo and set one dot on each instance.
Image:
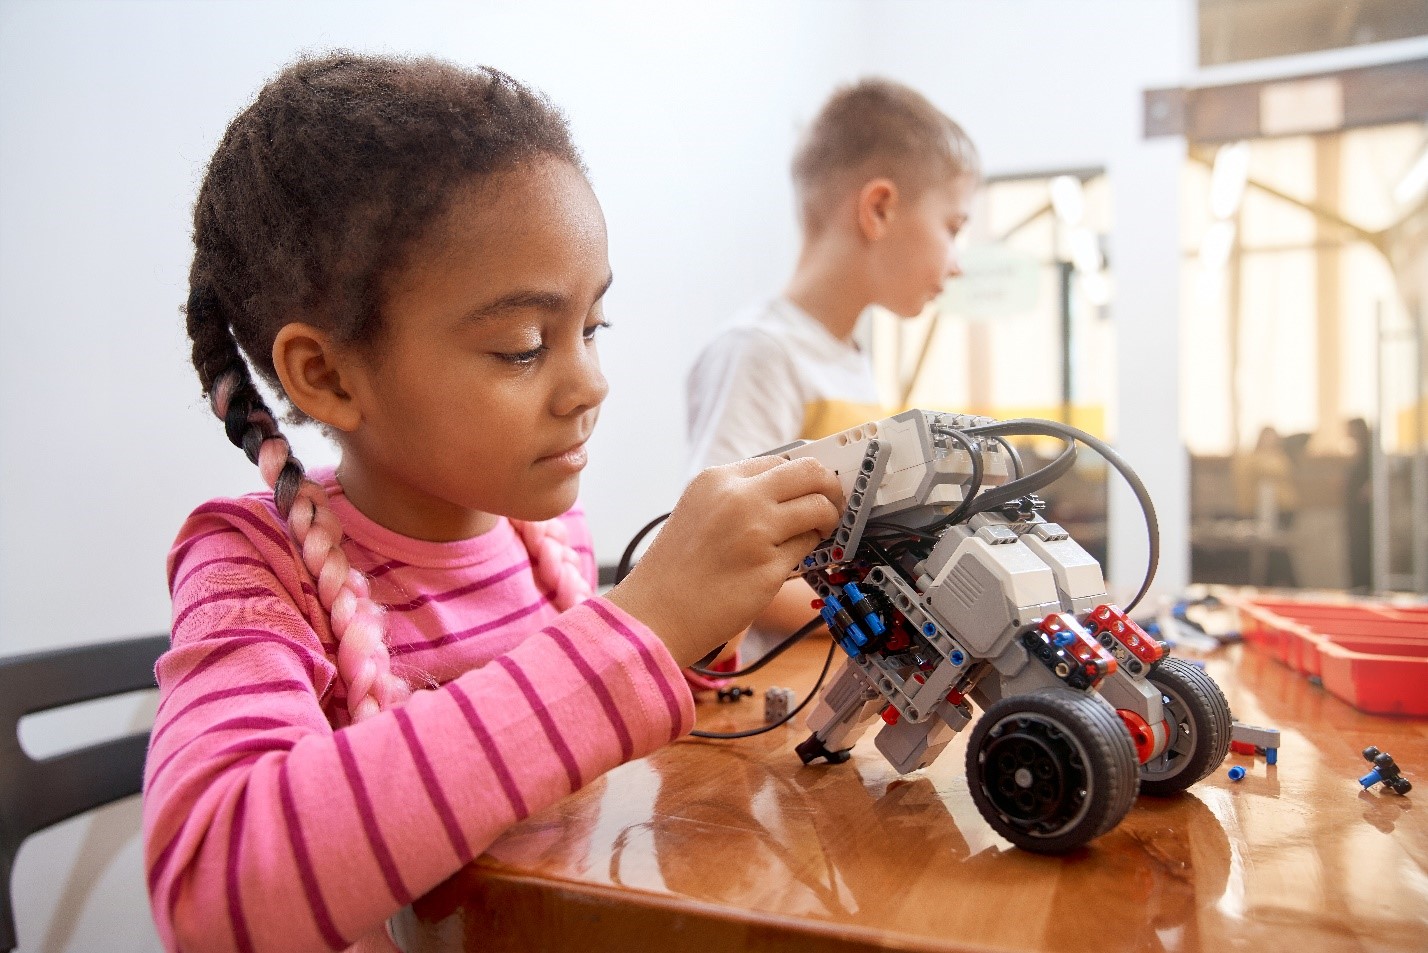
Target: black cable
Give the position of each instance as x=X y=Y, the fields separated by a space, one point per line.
x=1036 y=480
x=882 y=554
x=628 y=557
x=1050 y=428
x=807 y=629
x=899 y=547
x=713 y=654
x=1018 y=468
x=884 y=527
x=812 y=694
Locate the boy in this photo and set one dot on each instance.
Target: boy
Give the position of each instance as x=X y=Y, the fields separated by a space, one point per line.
x=883 y=181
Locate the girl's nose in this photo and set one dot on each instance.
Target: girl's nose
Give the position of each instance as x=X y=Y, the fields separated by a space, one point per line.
x=954 y=263
x=584 y=385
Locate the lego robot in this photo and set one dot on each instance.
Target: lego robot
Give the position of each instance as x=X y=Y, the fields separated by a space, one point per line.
x=946 y=587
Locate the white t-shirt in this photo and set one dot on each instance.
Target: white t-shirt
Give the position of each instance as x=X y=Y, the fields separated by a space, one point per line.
x=772 y=376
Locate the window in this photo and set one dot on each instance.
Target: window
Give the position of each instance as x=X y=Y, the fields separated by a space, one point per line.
x=1302 y=312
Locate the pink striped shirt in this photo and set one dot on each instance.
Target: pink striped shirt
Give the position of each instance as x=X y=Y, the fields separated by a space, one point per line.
x=270 y=823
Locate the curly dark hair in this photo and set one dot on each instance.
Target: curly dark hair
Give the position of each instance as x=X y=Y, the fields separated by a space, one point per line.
x=324 y=182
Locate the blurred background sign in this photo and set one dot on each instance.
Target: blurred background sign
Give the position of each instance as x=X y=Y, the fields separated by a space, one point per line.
x=1233 y=31
x=996 y=281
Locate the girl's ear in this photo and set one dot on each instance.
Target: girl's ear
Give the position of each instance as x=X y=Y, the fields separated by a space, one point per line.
x=311 y=366
x=877 y=204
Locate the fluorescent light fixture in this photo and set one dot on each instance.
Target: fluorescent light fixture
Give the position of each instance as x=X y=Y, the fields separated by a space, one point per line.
x=1085 y=251
x=1228 y=178
x=1068 y=199
x=1096 y=286
x=1414 y=180
x=1218 y=242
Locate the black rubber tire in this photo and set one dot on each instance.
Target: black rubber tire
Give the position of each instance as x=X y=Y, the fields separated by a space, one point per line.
x=1052 y=769
x=1198 y=713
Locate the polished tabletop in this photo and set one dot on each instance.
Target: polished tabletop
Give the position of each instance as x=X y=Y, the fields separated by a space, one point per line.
x=734 y=845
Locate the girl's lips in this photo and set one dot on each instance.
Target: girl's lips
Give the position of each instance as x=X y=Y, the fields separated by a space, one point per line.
x=573 y=459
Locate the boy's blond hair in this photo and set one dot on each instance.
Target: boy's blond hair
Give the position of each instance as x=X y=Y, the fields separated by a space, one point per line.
x=875 y=128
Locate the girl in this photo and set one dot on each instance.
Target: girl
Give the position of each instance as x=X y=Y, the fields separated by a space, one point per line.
x=376 y=670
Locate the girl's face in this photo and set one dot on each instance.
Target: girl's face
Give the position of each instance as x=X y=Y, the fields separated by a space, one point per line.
x=479 y=396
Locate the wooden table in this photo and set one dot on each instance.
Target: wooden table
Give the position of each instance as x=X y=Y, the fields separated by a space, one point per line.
x=734 y=845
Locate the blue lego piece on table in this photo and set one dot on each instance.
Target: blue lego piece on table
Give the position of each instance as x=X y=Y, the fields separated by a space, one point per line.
x=1385 y=771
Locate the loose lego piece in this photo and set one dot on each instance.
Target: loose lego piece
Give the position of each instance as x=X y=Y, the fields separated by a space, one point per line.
x=1384 y=771
x=1237 y=773
x=1249 y=739
x=777 y=703
x=734 y=693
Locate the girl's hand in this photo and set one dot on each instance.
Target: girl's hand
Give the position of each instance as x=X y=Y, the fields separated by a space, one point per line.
x=732 y=540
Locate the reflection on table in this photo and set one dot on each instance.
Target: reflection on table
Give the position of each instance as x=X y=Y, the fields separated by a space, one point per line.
x=734 y=845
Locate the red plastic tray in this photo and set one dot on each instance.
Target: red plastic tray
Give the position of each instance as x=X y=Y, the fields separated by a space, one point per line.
x=1374 y=657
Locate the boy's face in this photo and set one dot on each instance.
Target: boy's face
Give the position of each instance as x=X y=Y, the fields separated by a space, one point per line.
x=918 y=252
x=486 y=383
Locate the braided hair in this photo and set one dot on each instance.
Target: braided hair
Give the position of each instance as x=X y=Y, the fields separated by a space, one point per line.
x=316 y=192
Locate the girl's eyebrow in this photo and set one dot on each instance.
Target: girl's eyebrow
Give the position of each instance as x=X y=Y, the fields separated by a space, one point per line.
x=529 y=299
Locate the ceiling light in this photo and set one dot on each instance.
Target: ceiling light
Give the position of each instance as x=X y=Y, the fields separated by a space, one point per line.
x=1068 y=199
x=1411 y=185
x=1228 y=179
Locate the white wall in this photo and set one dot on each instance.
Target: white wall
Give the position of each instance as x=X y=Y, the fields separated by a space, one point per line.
x=687 y=115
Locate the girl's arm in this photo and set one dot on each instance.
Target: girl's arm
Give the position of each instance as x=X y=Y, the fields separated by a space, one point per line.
x=265 y=829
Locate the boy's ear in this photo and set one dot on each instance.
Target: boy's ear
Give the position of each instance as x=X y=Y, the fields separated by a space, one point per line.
x=310 y=366
x=877 y=205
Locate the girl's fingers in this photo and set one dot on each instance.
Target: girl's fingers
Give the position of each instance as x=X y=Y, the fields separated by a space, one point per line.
x=813 y=511
x=791 y=552
x=753 y=466
x=799 y=477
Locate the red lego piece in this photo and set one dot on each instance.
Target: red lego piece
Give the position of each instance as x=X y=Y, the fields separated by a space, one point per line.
x=1093 y=655
x=1109 y=618
x=1141 y=735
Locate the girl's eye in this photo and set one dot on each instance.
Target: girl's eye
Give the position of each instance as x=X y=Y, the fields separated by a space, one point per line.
x=523 y=357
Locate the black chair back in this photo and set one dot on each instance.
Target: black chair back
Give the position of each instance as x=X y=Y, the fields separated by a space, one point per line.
x=37 y=794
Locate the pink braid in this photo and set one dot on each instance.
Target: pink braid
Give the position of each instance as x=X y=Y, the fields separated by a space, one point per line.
x=553 y=562
x=362 y=657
